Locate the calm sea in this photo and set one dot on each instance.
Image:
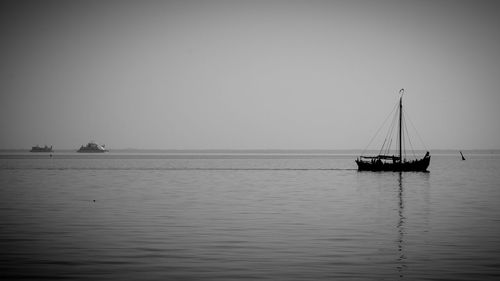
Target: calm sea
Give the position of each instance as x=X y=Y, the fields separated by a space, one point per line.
x=231 y=216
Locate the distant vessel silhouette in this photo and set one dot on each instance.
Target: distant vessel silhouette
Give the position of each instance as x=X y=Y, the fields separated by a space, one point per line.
x=92 y=147
x=41 y=149
x=463 y=158
x=385 y=162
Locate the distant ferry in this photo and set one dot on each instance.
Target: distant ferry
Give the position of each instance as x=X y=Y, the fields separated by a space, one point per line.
x=92 y=147
x=41 y=149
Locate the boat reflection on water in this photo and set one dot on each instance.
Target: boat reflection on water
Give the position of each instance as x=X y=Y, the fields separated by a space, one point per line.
x=418 y=197
x=401 y=230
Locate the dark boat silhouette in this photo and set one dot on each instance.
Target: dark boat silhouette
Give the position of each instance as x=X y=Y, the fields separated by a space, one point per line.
x=92 y=147
x=41 y=149
x=384 y=161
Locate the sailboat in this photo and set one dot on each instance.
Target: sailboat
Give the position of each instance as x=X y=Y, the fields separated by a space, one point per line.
x=384 y=161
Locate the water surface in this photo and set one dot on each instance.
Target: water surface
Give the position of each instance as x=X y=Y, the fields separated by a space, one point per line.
x=262 y=216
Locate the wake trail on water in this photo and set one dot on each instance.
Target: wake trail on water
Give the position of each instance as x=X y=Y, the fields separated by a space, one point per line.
x=178 y=169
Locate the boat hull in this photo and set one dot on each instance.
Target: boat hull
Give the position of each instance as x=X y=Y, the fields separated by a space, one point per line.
x=91 y=151
x=420 y=165
x=41 y=150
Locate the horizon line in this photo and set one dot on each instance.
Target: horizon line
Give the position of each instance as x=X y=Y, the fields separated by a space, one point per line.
x=254 y=149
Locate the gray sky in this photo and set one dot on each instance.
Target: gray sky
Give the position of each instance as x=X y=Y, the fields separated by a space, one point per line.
x=247 y=74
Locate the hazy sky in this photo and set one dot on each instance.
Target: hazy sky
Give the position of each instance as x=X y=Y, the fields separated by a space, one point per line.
x=247 y=74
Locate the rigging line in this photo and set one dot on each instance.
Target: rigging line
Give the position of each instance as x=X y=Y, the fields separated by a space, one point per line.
x=387 y=135
x=420 y=138
x=407 y=134
x=385 y=121
x=380 y=151
x=391 y=131
x=364 y=150
x=405 y=128
x=389 y=147
x=409 y=139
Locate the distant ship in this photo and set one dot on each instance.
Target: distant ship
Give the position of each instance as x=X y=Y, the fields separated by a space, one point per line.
x=385 y=162
x=41 y=149
x=92 y=147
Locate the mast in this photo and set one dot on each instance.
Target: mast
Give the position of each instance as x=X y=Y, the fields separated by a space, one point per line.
x=400 y=126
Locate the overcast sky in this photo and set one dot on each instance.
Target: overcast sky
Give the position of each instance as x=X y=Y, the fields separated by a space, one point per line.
x=247 y=74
